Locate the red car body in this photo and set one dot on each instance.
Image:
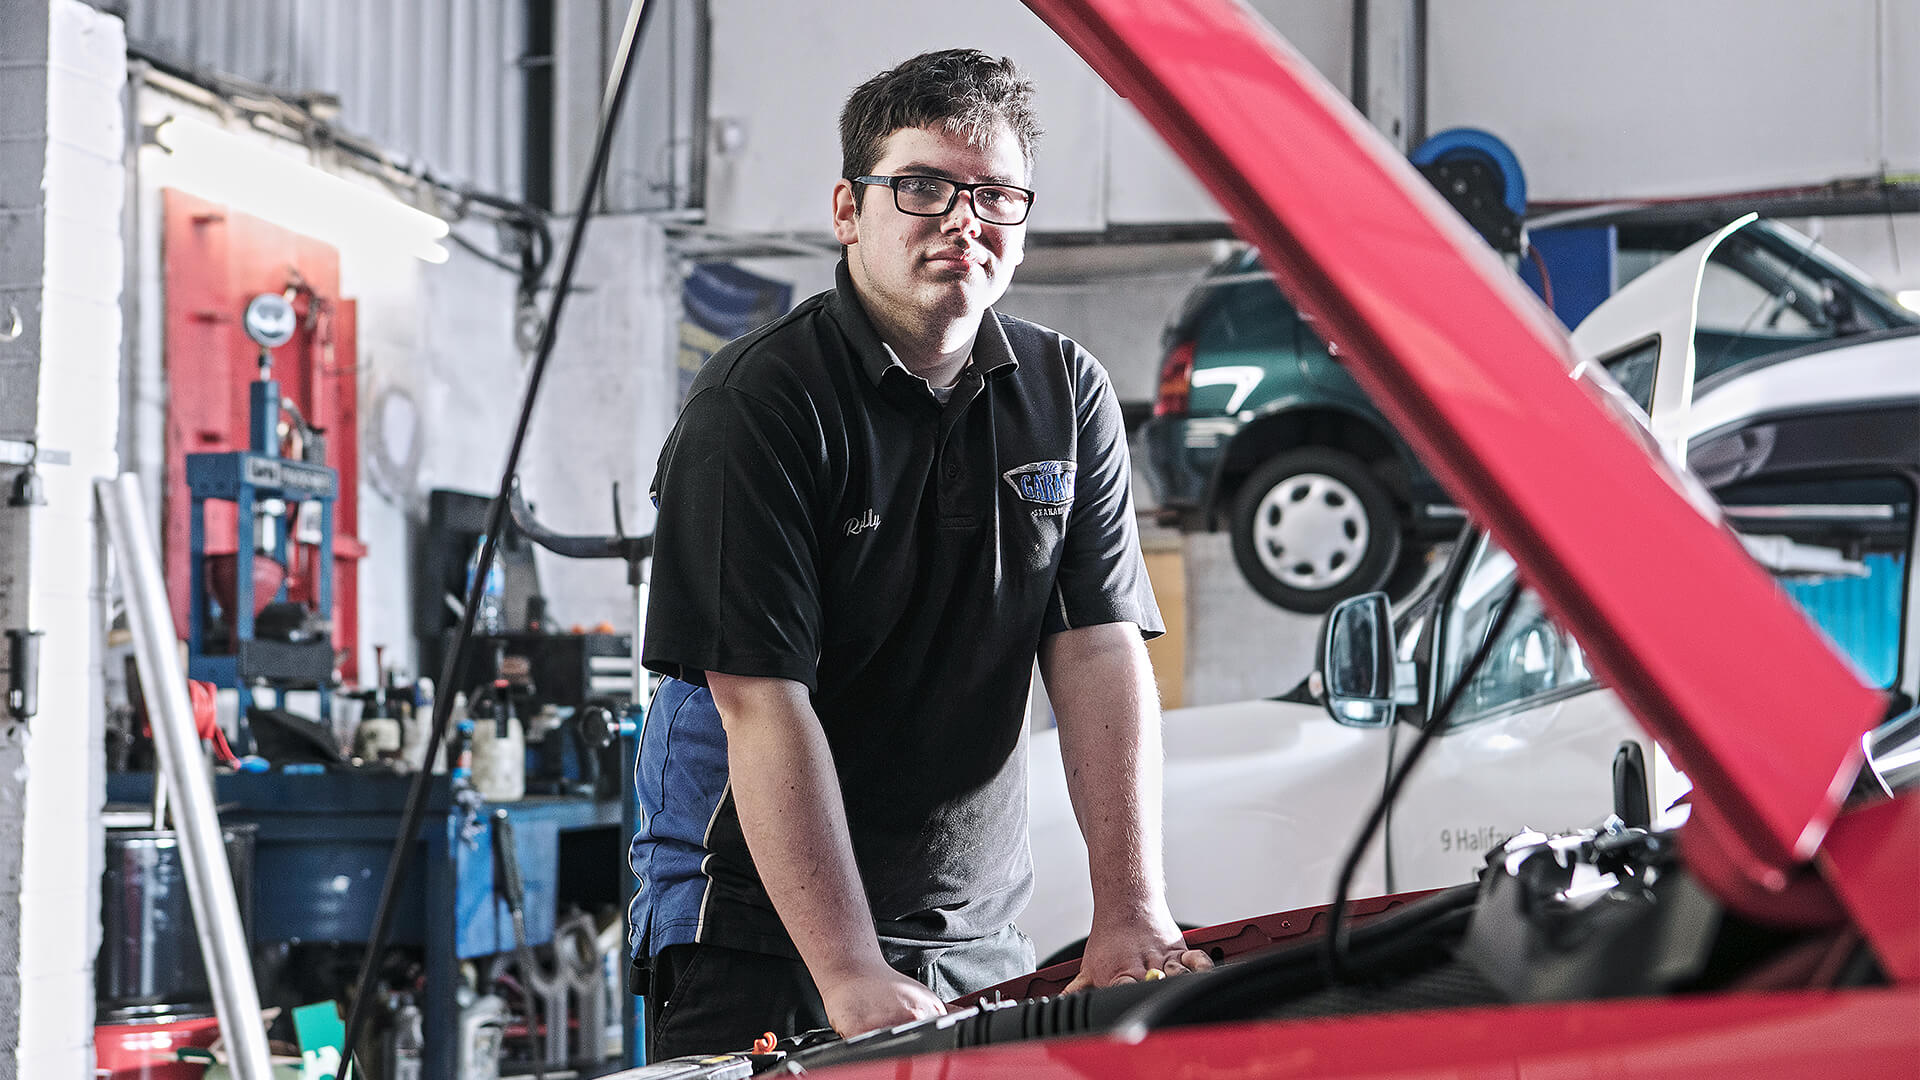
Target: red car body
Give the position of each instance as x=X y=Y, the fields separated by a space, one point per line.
x=1760 y=713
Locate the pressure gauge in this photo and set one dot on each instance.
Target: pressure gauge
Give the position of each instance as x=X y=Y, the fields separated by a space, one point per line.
x=270 y=320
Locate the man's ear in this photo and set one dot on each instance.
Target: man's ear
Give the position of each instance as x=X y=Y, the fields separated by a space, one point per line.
x=846 y=228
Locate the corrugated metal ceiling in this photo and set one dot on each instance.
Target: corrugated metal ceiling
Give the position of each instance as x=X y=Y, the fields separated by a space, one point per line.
x=438 y=81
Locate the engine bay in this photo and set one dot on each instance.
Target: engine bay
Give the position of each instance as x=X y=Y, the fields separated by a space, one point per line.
x=1589 y=915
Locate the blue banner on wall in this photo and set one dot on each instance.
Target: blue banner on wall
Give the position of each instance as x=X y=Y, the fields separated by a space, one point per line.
x=1580 y=264
x=718 y=303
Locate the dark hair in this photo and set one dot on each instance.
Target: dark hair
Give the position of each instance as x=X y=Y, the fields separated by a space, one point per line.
x=964 y=90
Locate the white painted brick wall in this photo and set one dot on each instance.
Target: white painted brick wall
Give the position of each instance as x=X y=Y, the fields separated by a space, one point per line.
x=51 y=779
x=23 y=138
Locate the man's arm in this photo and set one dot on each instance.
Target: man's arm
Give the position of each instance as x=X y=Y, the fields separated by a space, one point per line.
x=795 y=825
x=1109 y=713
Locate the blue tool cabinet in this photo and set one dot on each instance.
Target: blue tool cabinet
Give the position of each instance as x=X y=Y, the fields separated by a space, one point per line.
x=321 y=852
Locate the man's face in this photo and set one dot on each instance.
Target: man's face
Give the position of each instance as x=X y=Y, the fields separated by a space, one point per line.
x=932 y=269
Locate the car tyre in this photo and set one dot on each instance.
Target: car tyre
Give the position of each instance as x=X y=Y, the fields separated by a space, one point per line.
x=1312 y=527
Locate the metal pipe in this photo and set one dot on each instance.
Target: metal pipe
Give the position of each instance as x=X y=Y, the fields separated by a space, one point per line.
x=159 y=800
x=176 y=741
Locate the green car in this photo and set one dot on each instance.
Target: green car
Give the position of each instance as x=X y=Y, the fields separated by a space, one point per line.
x=1256 y=427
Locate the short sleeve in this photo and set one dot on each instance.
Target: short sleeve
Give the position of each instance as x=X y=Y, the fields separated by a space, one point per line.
x=736 y=581
x=1102 y=578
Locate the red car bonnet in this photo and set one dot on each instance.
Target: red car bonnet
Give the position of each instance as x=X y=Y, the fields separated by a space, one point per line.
x=1692 y=635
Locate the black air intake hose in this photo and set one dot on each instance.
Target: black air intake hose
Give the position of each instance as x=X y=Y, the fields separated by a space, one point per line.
x=987 y=1024
x=1236 y=990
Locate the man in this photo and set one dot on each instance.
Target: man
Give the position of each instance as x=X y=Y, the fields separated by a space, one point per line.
x=873 y=513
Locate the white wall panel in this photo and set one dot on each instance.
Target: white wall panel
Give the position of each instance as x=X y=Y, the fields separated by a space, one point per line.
x=1147 y=184
x=781 y=73
x=66 y=283
x=1653 y=98
x=1900 y=76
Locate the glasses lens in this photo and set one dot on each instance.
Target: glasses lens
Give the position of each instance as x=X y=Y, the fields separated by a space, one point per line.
x=922 y=194
x=931 y=196
x=1000 y=205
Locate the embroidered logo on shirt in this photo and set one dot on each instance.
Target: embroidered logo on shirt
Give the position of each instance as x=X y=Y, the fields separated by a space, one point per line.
x=854 y=526
x=1045 y=483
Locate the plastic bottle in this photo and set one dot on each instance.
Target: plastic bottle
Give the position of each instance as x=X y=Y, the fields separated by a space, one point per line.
x=457 y=724
x=377 y=738
x=409 y=1042
x=492 y=617
x=417 y=725
x=482 y=1030
x=500 y=755
x=460 y=753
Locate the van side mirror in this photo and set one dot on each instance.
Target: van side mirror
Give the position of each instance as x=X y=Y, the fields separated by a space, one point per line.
x=1356 y=661
x=1893 y=752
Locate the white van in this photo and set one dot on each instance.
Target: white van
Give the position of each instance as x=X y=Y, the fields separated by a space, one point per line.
x=1814 y=454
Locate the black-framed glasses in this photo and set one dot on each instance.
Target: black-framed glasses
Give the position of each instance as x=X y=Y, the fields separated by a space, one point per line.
x=935 y=196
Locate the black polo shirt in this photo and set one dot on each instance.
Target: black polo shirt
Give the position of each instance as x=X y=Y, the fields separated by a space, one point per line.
x=824 y=519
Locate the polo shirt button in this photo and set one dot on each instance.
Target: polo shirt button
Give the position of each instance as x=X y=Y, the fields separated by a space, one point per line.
x=953 y=470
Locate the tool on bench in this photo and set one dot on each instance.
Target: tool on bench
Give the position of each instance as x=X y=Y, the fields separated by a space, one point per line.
x=634 y=550
x=506 y=868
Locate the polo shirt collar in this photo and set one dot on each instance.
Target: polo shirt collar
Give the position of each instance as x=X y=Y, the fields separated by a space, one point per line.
x=992 y=355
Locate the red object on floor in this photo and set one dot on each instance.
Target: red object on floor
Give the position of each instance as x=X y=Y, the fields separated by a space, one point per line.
x=146 y=1051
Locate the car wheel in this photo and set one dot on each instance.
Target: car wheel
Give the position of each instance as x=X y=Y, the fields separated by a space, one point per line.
x=1313 y=527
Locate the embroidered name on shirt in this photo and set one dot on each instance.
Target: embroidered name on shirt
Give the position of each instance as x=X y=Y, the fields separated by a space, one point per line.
x=856 y=525
x=1045 y=483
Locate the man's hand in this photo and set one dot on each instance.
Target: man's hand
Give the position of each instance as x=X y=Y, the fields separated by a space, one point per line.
x=1127 y=954
x=881 y=998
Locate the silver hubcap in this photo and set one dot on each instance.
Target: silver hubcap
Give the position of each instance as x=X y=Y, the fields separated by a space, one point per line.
x=1310 y=531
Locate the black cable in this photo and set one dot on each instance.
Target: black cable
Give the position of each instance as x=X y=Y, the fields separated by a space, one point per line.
x=253 y=100
x=1337 y=934
x=1546 y=279
x=530 y=220
x=477 y=252
x=410 y=818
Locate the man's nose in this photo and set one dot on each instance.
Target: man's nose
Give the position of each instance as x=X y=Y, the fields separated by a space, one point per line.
x=961 y=216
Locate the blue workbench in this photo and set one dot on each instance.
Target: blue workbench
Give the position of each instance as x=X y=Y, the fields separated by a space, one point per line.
x=320 y=858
